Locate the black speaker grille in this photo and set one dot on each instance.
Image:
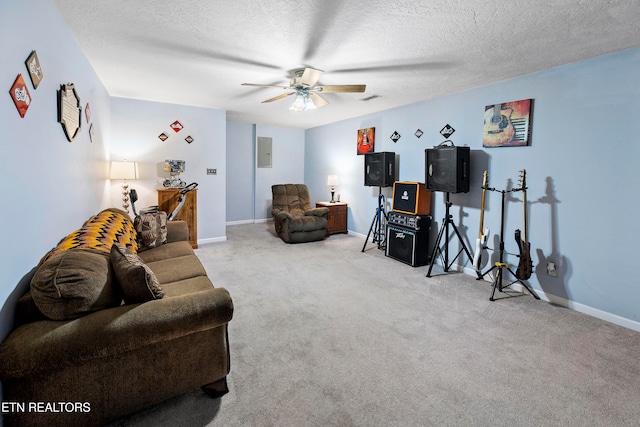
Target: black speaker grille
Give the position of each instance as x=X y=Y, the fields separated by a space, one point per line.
x=447 y=169
x=408 y=246
x=380 y=169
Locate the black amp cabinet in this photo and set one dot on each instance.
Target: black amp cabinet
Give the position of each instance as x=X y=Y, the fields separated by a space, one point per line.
x=408 y=245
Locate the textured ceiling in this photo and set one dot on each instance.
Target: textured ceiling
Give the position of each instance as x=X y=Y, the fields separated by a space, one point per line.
x=198 y=52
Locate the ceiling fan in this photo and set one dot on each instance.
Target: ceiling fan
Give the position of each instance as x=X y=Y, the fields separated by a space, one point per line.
x=303 y=86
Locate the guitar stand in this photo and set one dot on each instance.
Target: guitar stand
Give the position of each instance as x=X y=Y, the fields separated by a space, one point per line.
x=444 y=230
x=378 y=224
x=501 y=265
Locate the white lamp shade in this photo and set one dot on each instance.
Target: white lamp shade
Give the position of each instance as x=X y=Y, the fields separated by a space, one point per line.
x=123 y=170
x=332 y=180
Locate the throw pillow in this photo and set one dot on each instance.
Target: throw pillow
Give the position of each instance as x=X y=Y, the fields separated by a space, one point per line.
x=151 y=229
x=73 y=283
x=136 y=279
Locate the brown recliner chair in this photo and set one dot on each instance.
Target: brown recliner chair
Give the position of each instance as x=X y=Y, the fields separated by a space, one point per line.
x=295 y=220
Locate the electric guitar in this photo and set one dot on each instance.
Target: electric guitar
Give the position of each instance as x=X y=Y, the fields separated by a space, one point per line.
x=483 y=234
x=498 y=128
x=525 y=265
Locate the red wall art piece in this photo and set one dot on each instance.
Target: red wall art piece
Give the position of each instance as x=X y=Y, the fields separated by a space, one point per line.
x=366 y=140
x=20 y=95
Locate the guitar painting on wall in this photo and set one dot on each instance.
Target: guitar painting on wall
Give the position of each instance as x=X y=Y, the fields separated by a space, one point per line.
x=507 y=124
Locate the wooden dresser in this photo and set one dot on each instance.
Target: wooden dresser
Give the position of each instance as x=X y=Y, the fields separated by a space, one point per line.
x=168 y=199
x=337 y=218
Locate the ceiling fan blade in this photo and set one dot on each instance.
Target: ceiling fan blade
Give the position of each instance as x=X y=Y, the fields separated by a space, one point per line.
x=310 y=77
x=259 y=85
x=318 y=100
x=275 y=98
x=341 y=88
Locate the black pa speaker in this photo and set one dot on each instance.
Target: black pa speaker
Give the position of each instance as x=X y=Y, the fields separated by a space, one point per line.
x=408 y=246
x=447 y=169
x=380 y=169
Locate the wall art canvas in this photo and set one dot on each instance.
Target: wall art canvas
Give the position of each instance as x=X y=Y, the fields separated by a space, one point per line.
x=35 y=70
x=366 y=140
x=507 y=124
x=20 y=95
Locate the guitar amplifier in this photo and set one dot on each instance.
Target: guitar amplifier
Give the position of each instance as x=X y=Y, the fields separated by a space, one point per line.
x=408 y=246
x=414 y=222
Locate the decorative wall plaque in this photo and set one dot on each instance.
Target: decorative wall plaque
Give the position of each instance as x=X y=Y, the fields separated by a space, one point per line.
x=163 y=136
x=35 y=71
x=447 y=131
x=69 y=111
x=189 y=139
x=395 y=136
x=176 y=126
x=20 y=95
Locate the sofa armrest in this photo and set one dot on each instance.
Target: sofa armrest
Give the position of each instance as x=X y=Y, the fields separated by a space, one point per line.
x=50 y=345
x=177 y=231
x=317 y=212
x=281 y=215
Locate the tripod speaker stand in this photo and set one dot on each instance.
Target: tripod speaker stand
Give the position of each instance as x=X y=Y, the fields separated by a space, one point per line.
x=378 y=224
x=501 y=265
x=444 y=232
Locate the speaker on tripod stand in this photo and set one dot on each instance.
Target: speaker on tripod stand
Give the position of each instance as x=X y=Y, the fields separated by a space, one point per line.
x=379 y=171
x=447 y=170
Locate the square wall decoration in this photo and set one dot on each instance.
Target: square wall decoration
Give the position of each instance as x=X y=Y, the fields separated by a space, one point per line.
x=507 y=124
x=366 y=140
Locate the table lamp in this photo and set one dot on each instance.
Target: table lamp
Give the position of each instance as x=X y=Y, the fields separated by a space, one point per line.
x=124 y=170
x=332 y=181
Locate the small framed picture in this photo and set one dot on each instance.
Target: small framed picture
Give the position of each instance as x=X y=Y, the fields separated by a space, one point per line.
x=35 y=70
x=366 y=140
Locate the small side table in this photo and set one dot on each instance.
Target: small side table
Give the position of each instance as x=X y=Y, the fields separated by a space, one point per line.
x=337 y=218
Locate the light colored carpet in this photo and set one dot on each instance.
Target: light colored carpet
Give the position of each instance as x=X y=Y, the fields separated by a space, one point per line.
x=326 y=335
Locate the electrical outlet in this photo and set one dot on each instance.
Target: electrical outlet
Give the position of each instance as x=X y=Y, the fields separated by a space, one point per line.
x=212 y=171
x=551 y=269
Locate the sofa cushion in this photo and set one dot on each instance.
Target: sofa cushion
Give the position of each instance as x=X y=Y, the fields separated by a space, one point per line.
x=73 y=283
x=178 y=268
x=137 y=281
x=167 y=251
x=151 y=229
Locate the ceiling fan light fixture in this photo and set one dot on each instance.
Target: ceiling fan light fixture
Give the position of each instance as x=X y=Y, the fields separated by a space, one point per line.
x=302 y=102
x=298 y=104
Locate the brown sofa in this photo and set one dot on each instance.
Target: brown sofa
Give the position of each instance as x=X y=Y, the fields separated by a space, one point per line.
x=112 y=354
x=294 y=219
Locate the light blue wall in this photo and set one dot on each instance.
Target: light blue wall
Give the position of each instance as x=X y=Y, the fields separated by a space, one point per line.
x=136 y=125
x=51 y=185
x=287 y=165
x=249 y=188
x=240 y=172
x=582 y=175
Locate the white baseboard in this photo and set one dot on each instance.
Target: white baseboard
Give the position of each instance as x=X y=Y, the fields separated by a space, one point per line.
x=563 y=302
x=249 y=221
x=212 y=240
x=244 y=221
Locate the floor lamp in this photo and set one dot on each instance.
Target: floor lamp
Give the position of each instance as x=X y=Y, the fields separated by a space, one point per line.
x=124 y=171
